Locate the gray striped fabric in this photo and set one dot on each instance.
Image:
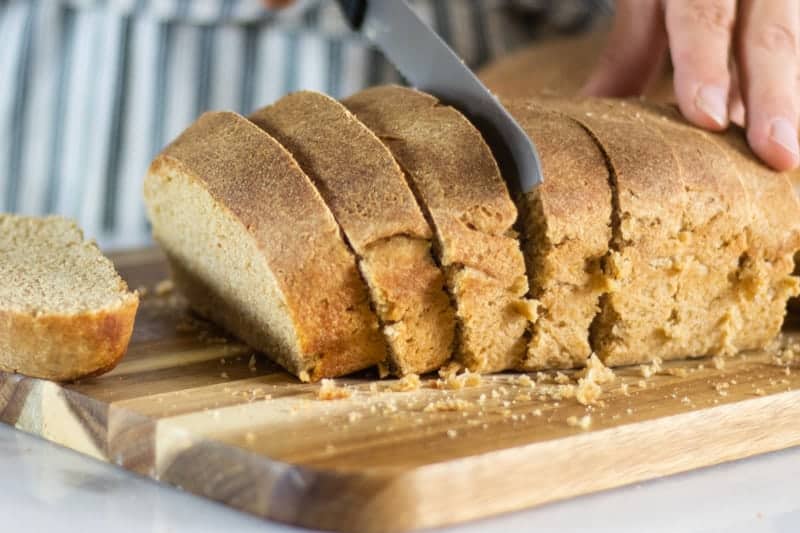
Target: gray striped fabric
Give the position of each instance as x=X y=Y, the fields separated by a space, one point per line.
x=90 y=90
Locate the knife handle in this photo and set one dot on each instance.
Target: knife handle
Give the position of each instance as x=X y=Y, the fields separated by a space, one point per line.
x=354 y=11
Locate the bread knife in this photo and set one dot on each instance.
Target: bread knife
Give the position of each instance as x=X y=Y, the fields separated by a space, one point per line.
x=429 y=64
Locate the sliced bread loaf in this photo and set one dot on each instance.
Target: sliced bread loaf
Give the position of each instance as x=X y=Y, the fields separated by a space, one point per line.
x=566 y=225
x=367 y=193
x=64 y=311
x=456 y=180
x=253 y=246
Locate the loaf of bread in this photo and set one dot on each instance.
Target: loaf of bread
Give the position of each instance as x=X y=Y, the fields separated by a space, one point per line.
x=253 y=246
x=649 y=239
x=367 y=193
x=65 y=313
x=458 y=184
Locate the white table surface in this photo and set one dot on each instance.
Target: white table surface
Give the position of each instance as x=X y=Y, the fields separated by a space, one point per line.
x=45 y=488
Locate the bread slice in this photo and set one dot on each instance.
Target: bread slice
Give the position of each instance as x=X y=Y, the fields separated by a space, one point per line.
x=717 y=214
x=253 y=246
x=65 y=313
x=636 y=316
x=457 y=182
x=566 y=228
x=367 y=193
x=764 y=279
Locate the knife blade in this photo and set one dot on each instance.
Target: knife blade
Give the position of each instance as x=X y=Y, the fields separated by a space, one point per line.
x=429 y=64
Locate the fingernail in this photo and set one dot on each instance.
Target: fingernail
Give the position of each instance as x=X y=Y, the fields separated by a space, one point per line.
x=782 y=132
x=713 y=102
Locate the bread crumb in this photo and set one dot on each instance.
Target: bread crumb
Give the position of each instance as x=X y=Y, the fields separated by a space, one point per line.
x=328 y=390
x=522 y=397
x=163 y=287
x=584 y=422
x=760 y=392
x=642 y=384
x=624 y=389
x=629 y=411
x=587 y=391
x=652 y=369
x=409 y=382
x=525 y=381
x=719 y=362
x=354 y=416
x=224 y=375
x=383 y=370
x=677 y=371
x=373 y=388
x=596 y=371
x=527 y=308
x=142 y=291
x=452 y=433
x=685 y=400
x=251 y=364
x=303 y=376
x=537 y=412
x=454 y=381
x=561 y=378
x=495 y=394
x=449 y=369
x=450 y=404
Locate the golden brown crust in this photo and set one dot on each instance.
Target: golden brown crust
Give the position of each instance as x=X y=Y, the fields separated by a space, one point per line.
x=567 y=227
x=250 y=174
x=367 y=193
x=456 y=179
x=66 y=347
x=354 y=171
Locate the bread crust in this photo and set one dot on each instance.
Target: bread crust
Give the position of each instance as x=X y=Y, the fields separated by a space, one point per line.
x=66 y=347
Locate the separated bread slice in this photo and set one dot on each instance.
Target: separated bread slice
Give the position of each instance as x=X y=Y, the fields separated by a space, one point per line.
x=649 y=204
x=457 y=182
x=566 y=224
x=367 y=193
x=64 y=311
x=254 y=248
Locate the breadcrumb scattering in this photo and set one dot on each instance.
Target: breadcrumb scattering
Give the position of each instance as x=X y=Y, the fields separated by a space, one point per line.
x=328 y=390
x=450 y=404
x=584 y=422
x=719 y=362
x=452 y=433
x=409 y=382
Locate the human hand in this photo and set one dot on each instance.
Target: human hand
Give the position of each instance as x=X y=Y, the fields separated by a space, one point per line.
x=730 y=62
x=277 y=4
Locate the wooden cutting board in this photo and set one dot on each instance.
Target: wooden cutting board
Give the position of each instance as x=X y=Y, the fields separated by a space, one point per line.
x=192 y=409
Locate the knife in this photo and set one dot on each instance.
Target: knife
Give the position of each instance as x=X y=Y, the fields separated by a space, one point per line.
x=429 y=64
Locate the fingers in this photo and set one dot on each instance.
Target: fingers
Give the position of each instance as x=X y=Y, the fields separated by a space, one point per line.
x=767 y=53
x=633 y=55
x=699 y=34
